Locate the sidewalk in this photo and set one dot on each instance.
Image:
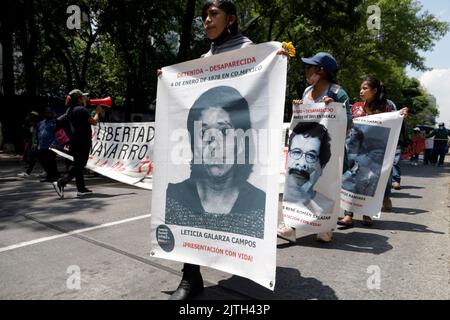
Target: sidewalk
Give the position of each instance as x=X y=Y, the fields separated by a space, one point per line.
x=9 y=157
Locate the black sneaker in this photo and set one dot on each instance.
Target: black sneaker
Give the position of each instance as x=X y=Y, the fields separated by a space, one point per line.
x=84 y=192
x=59 y=189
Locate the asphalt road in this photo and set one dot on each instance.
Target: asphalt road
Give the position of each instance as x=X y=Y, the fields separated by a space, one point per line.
x=105 y=238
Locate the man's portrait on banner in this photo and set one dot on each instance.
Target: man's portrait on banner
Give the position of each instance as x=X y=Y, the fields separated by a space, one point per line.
x=309 y=153
x=217 y=194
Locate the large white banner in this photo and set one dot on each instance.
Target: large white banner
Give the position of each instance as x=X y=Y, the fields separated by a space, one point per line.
x=216 y=183
x=122 y=151
x=314 y=167
x=371 y=149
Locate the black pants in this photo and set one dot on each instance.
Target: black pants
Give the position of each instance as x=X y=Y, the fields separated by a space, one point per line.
x=80 y=153
x=31 y=158
x=439 y=151
x=190 y=269
x=47 y=158
x=428 y=156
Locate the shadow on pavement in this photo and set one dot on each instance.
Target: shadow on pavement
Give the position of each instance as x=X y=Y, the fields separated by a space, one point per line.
x=402 y=195
x=411 y=187
x=5 y=180
x=17 y=205
x=411 y=211
x=402 y=226
x=425 y=171
x=290 y=285
x=352 y=241
x=70 y=224
x=103 y=195
x=18 y=222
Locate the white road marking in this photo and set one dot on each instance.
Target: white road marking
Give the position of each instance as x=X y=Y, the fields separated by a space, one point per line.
x=105 y=225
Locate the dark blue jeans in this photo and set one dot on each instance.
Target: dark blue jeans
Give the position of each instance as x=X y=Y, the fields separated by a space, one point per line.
x=396 y=170
x=440 y=148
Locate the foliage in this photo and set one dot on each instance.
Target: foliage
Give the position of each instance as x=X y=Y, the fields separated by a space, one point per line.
x=123 y=42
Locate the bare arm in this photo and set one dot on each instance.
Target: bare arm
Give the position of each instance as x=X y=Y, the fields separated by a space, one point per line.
x=94 y=120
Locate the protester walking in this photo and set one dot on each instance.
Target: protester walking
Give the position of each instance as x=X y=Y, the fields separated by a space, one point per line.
x=373 y=94
x=440 y=148
x=417 y=146
x=403 y=141
x=46 y=139
x=30 y=149
x=320 y=71
x=220 y=22
x=77 y=123
x=221 y=26
x=428 y=154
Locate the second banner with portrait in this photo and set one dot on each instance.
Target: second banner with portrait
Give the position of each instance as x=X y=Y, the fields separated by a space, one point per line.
x=216 y=179
x=311 y=200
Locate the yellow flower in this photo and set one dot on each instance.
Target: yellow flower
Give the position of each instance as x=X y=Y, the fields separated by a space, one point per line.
x=290 y=48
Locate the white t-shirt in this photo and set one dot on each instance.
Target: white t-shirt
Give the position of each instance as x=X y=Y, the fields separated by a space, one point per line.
x=429 y=143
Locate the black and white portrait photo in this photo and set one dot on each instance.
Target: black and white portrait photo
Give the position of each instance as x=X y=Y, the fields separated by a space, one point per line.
x=217 y=195
x=309 y=153
x=366 y=147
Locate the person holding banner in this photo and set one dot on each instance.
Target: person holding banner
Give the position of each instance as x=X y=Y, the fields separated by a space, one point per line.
x=320 y=72
x=220 y=23
x=373 y=94
x=77 y=123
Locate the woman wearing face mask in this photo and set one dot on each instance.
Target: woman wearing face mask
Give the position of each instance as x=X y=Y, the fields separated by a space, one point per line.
x=220 y=23
x=320 y=72
x=221 y=28
x=373 y=94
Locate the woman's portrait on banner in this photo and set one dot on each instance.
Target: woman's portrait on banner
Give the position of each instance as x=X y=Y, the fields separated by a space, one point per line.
x=217 y=195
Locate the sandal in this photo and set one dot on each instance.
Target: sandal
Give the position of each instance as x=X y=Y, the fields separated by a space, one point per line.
x=287 y=233
x=346 y=225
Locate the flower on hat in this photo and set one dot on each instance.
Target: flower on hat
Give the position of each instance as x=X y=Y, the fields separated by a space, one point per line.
x=289 y=47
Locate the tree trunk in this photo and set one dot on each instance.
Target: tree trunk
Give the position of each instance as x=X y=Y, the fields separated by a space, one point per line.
x=28 y=44
x=87 y=55
x=7 y=18
x=185 y=40
x=8 y=63
x=129 y=98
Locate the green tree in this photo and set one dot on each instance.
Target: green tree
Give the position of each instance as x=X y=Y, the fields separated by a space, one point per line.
x=415 y=97
x=122 y=43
